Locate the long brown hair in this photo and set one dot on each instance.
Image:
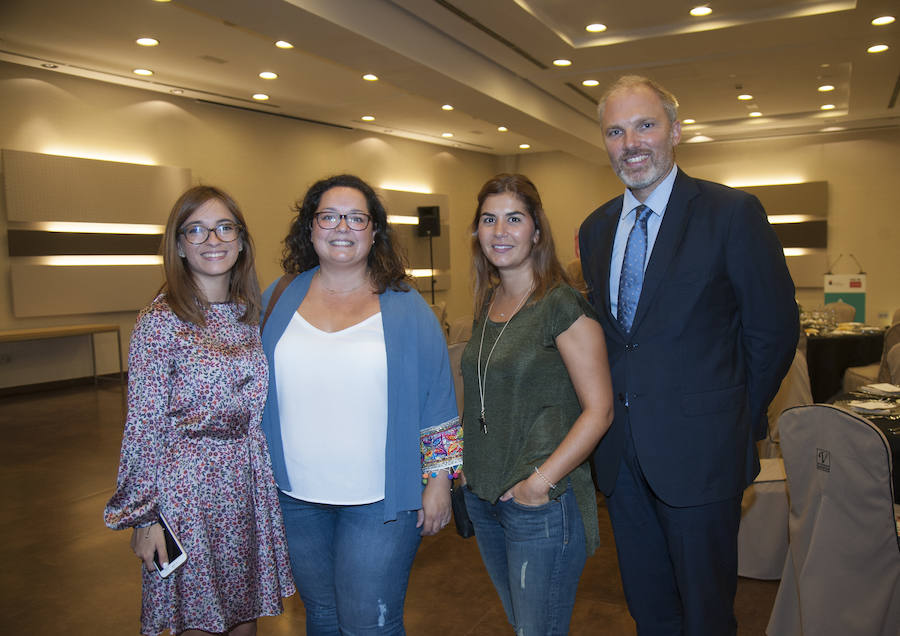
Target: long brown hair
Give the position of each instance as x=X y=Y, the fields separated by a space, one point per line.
x=546 y=268
x=182 y=292
x=387 y=266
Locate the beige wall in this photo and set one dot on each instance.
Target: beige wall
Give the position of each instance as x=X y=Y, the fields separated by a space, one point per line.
x=265 y=162
x=864 y=200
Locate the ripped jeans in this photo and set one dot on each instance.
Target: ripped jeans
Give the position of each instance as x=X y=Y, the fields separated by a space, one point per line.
x=534 y=556
x=351 y=568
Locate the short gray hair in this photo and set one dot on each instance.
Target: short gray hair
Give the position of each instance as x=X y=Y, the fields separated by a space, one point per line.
x=669 y=101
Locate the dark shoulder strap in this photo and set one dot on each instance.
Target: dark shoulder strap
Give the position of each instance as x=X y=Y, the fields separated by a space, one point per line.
x=283 y=282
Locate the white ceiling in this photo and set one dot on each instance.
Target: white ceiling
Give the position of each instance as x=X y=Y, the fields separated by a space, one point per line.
x=490 y=59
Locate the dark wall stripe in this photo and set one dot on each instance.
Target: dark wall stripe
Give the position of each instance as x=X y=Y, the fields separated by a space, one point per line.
x=806 y=234
x=38 y=243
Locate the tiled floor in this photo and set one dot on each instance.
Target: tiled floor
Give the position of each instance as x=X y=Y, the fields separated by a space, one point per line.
x=64 y=572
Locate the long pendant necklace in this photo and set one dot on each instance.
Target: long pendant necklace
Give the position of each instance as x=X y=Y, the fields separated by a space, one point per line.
x=482 y=378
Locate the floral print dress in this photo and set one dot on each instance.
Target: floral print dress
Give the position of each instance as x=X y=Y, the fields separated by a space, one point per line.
x=193 y=450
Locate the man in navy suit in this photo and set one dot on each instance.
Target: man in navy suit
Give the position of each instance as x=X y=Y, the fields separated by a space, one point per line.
x=701 y=324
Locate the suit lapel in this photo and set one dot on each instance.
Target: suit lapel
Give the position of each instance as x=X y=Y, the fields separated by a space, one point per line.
x=612 y=213
x=668 y=239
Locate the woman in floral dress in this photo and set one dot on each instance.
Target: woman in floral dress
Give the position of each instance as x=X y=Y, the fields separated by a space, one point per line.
x=193 y=449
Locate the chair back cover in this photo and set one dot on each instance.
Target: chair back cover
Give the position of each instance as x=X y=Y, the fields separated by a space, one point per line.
x=763 y=533
x=843 y=312
x=795 y=390
x=456 y=351
x=893 y=363
x=461 y=329
x=842 y=573
x=891 y=340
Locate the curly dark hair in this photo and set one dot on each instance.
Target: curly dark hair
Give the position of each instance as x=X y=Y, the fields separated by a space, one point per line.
x=387 y=265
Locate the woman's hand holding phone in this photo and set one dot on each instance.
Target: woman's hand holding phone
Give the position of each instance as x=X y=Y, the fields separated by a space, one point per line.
x=147 y=542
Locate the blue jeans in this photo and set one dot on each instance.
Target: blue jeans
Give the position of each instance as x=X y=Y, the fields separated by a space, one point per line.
x=351 y=568
x=534 y=556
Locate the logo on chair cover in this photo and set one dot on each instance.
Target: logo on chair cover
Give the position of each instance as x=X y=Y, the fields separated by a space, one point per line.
x=823 y=460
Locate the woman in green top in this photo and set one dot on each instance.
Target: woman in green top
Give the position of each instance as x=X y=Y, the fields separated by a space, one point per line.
x=538 y=398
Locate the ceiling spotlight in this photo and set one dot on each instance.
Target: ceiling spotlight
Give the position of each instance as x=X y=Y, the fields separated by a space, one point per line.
x=688 y=121
x=268 y=75
x=49 y=65
x=161 y=0
x=824 y=88
x=595 y=28
x=143 y=72
x=745 y=97
x=282 y=44
x=698 y=139
x=885 y=19
x=701 y=11
x=502 y=129
x=177 y=91
x=878 y=48
x=260 y=97
x=370 y=77
x=833 y=129
x=562 y=62
x=755 y=113
x=368 y=117
x=826 y=107
x=446 y=107
x=590 y=83
x=147 y=41
x=524 y=146
x=446 y=135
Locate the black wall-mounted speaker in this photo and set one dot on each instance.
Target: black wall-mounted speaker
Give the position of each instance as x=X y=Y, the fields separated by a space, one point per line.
x=429 y=220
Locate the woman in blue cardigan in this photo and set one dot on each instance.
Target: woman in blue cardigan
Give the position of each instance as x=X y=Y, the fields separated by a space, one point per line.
x=360 y=408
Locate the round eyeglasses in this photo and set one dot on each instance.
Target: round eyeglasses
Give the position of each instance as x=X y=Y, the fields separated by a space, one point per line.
x=355 y=220
x=198 y=234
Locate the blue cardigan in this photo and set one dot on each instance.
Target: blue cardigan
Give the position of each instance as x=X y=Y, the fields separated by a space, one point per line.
x=419 y=384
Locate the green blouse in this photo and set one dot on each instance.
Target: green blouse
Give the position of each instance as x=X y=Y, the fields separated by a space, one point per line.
x=530 y=403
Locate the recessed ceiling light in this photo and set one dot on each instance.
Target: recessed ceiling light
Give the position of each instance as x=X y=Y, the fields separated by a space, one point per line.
x=595 y=28
x=698 y=139
x=885 y=19
x=282 y=44
x=142 y=71
x=176 y=91
x=502 y=129
x=147 y=41
x=745 y=97
x=826 y=107
x=833 y=129
x=755 y=113
x=49 y=65
x=878 y=48
x=590 y=83
x=446 y=107
x=446 y=135
x=700 y=11
x=370 y=77
x=562 y=62
x=161 y=0
x=688 y=121
x=268 y=75
x=368 y=118
x=824 y=88
x=524 y=146
x=260 y=97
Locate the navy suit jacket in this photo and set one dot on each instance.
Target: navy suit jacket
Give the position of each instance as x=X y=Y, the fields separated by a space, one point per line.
x=714 y=334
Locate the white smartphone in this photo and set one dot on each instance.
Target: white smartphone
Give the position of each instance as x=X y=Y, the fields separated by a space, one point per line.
x=175 y=552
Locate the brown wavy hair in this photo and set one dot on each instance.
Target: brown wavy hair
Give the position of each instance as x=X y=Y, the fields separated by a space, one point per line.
x=182 y=292
x=546 y=268
x=387 y=265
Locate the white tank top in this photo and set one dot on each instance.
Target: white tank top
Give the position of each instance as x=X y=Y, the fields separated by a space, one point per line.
x=332 y=403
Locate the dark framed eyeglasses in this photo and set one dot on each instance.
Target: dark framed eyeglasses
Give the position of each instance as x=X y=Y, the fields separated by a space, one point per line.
x=355 y=220
x=198 y=234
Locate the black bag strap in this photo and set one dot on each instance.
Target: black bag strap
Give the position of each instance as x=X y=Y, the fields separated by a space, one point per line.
x=282 y=284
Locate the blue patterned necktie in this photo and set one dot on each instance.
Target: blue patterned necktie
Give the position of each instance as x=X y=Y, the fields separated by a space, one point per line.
x=632 y=278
